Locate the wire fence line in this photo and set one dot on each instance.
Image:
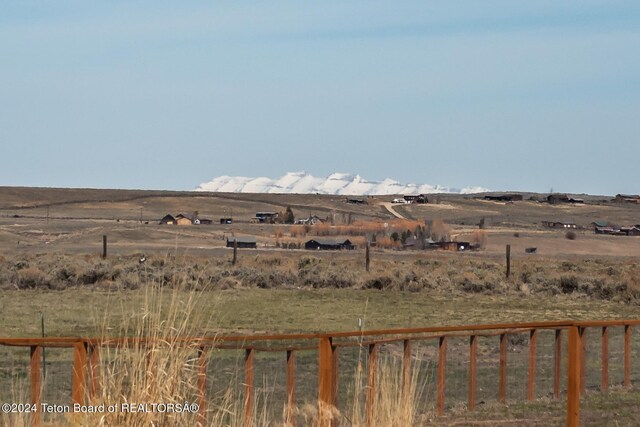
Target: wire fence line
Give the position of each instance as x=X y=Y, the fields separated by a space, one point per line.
x=446 y=370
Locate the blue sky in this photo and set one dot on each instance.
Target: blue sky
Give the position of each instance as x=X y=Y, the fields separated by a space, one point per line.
x=166 y=95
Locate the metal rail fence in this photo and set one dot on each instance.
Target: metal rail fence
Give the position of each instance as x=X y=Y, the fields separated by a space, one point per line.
x=466 y=361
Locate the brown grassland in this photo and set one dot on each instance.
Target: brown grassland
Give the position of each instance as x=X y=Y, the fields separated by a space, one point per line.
x=50 y=265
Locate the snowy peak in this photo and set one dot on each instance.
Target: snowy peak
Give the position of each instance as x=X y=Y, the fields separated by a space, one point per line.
x=336 y=183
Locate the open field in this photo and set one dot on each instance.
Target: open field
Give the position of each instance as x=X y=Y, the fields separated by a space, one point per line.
x=74 y=220
x=50 y=241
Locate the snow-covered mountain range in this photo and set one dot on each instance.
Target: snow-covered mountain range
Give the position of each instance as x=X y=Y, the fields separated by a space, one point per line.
x=336 y=183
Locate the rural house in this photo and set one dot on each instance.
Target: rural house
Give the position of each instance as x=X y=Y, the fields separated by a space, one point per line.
x=329 y=244
x=266 y=217
x=311 y=220
x=627 y=198
x=168 y=219
x=630 y=231
x=185 y=219
x=555 y=199
x=559 y=224
x=244 y=242
x=416 y=198
x=599 y=224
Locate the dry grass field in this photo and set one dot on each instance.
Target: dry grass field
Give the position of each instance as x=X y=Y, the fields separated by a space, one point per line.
x=50 y=241
x=50 y=265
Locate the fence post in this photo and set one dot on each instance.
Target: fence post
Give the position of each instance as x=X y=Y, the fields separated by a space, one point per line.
x=372 y=368
x=94 y=372
x=367 y=259
x=502 y=386
x=325 y=381
x=442 y=363
x=202 y=385
x=36 y=384
x=104 y=246
x=473 y=371
x=79 y=382
x=627 y=355
x=291 y=386
x=557 y=364
x=574 y=374
x=604 y=383
x=532 y=364
x=508 y=254
x=44 y=358
x=248 y=387
x=583 y=359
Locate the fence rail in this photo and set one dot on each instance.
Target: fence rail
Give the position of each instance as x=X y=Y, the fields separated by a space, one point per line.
x=86 y=381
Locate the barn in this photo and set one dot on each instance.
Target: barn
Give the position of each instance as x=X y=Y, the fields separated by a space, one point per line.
x=329 y=244
x=244 y=242
x=168 y=219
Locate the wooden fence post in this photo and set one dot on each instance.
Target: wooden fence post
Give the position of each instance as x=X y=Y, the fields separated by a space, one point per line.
x=583 y=359
x=557 y=364
x=573 y=376
x=36 y=384
x=604 y=383
x=442 y=364
x=508 y=254
x=79 y=382
x=502 y=386
x=104 y=246
x=248 y=387
x=367 y=259
x=473 y=371
x=627 y=355
x=325 y=381
x=531 y=392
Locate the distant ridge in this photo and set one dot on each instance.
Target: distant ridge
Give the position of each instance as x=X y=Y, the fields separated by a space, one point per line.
x=336 y=183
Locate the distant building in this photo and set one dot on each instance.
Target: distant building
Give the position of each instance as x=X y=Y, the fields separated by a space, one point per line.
x=555 y=199
x=399 y=200
x=627 y=198
x=606 y=230
x=185 y=219
x=416 y=198
x=226 y=221
x=600 y=224
x=329 y=244
x=559 y=224
x=168 y=220
x=356 y=201
x=311 y=220
x=454 y=246
x=266 y=217
x=504 y=197
x=244 y=242
x=630 y=231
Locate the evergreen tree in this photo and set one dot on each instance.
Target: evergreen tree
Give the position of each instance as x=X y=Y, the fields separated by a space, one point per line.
x=288 y=216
